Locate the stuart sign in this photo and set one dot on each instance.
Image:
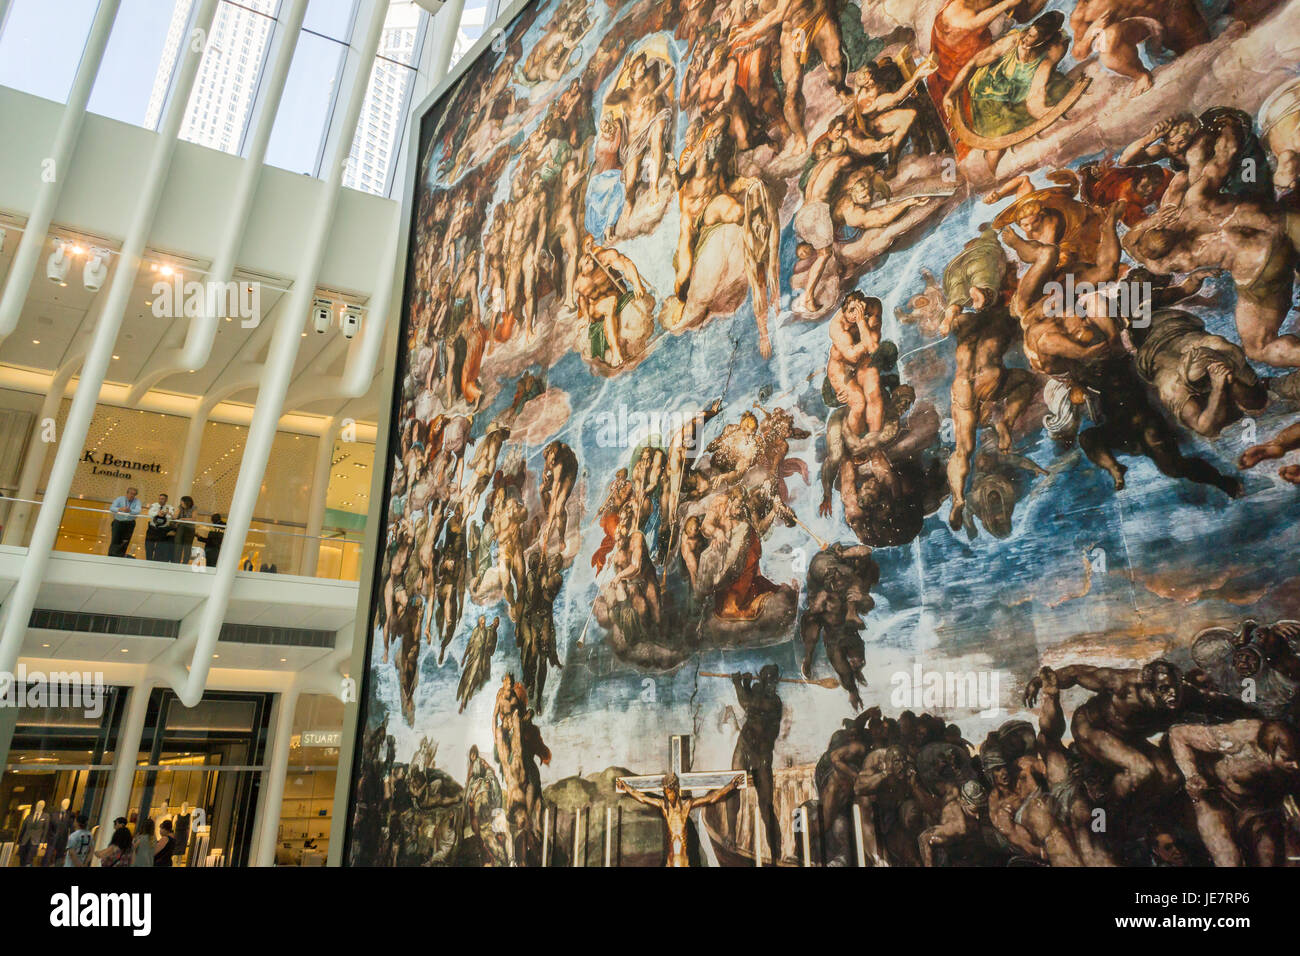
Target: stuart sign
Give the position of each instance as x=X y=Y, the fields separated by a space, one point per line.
x=111 y=466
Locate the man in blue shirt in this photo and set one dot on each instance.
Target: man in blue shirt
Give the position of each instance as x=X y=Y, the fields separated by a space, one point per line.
x=124 y=510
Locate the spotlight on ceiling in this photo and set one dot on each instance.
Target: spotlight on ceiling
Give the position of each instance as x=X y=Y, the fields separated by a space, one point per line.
x=351 y=321
x=56 y=268
x=322 y=314
x=96 y=269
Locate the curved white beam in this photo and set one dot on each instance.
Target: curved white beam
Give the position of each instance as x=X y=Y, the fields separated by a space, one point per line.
x=319 y=490
x=278 y=368
x=52 y=177
x=18 y=606
x=202 y=330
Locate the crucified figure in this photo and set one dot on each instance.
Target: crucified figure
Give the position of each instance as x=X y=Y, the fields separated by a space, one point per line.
x=677 y=809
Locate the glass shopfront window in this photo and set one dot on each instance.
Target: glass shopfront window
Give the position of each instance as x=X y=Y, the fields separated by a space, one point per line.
x=201 y=768
x=57 y=766
x=135 y=448
x=308 y=804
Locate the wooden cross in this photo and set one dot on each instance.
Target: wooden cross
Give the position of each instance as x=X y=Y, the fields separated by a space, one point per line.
x=694 y=792
x=679 y=759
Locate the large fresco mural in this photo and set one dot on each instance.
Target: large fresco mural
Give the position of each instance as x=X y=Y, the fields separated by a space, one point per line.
x=898 y=399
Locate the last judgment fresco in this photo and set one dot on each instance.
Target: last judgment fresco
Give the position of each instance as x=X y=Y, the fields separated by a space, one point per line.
x=849 y=433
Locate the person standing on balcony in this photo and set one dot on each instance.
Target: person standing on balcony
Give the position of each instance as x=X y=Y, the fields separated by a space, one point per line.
x=157 y=537
x=212 y=540
x=184 y=530
x=124 y=510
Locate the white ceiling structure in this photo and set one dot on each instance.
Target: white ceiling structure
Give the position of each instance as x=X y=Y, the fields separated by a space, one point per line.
x=54 y=315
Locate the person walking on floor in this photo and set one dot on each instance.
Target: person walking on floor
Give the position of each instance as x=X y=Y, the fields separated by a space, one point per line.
x=118 y=851
x=81 y=846
x=124 y=509
x=143 y=844
x=163 y=849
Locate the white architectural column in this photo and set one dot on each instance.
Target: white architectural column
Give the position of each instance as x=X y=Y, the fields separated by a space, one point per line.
x=202 y=329
x=50 y=179
x=274 y=770
x=277 y=371
x=193 y=445
x=18 y=607
x=126 y=755
x=320 y=483
x=446 y=27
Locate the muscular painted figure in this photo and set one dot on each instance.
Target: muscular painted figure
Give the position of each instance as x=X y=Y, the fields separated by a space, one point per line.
x=855 y=335
x=677 y=810
x=646 y=110
x=753 y=754
x=1198 y=227
x=606 y=281
x=1128 y=706
x=1237 y=775
x=958 y=820
x=1115 y=28
x=806 y=25
x=557 y=484
x=981 y=385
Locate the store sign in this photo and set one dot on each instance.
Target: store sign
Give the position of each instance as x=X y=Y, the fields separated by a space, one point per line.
x=322 y=738
x=110 y=465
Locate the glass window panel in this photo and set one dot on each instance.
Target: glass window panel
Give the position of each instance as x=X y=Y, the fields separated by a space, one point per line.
x=42 y=44
x=381 y=121
x=222 y=97
x=138 y=63
x=330 y=18
x=305 y=107
x=402 y=29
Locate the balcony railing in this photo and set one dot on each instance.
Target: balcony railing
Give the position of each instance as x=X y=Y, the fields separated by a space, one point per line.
x=87 y=528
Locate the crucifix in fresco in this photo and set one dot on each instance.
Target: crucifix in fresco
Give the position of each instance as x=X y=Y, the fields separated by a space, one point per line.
x=665 y=793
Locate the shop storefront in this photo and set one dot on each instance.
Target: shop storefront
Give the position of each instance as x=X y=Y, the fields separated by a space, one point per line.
x=199 y=767
x=57 y=765
x=144 y=449
x=307 y=811
x=202 y=772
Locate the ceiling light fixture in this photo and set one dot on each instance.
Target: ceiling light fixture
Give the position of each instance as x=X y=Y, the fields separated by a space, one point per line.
x=96 y=269
x=56 y=267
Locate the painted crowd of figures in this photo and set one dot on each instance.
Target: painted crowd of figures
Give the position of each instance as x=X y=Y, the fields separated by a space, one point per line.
x=615 y=185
